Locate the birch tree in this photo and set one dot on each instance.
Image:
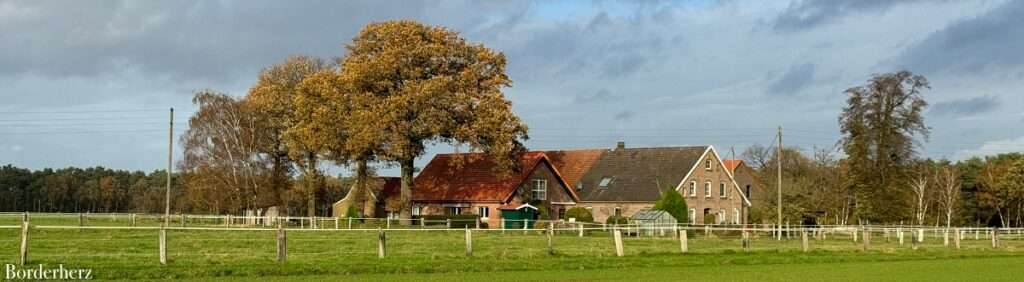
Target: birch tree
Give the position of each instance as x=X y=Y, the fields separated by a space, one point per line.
x=947 y=177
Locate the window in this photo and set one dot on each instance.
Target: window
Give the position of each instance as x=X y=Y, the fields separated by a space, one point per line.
x=579 y=186
x=605 y=181
x=454 y=210
x=722 y=191
x=693 y=216
x=721 y=216
x=618 y=211
x=707 y=189
x=693 y=188
x=540 y=189
x=748 y=191
x=707 y=164
x=415 y=210
x=561 y=213
x=736 y=214
x=483 y=211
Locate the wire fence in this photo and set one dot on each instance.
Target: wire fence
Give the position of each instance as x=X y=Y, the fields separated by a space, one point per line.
x=116 y=238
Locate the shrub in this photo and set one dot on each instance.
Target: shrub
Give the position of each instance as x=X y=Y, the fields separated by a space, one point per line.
x=674 y=204
x=616 y=220
x=352 y=211
x=458 y=221
x=580 y=214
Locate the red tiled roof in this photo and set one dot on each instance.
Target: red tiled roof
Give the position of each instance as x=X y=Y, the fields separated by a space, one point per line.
x=731 y=165
x=573 y=164
x=392 y=186
x=444 y=179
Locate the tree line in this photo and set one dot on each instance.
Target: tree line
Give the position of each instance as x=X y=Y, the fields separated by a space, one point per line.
x=876 y=175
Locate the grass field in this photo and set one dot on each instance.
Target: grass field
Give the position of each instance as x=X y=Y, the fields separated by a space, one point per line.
x=437 y=255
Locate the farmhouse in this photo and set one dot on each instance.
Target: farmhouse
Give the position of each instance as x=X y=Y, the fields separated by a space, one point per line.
x=624 y=181
x=453 y=184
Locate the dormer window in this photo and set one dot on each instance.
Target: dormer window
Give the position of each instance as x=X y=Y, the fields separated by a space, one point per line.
x=707 y=164
x=579 y=186
x=605 y=181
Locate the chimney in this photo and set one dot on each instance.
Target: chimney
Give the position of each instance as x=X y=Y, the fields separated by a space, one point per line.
x=621 y=145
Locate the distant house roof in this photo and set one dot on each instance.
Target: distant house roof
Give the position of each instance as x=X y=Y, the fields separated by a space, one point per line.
x=731 y=165
x=573 y=164
x=474 y=179
x=638 y=174
x=391 y=186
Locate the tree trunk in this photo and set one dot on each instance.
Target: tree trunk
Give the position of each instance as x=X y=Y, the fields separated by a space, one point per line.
x=359 y=198
x=405 y=213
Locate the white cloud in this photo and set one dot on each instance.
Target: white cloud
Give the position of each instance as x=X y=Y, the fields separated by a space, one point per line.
x=994 y=148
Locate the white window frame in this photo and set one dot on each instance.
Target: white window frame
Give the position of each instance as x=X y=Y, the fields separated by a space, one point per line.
x=707 y=189
x=540 y=189
x=736 y=213
x=723 y=216
x=707 y=164
x=693 y=216
x=693 y=188
x=415 y=210
x=722 y=192
x=455 y=210
x=483 y=211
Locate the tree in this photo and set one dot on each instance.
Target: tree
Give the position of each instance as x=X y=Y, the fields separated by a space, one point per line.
x=672 y=202
x=222 y=151
x=947 y=177
x=999 y=189
x=879 y=124
x=333 y=118
x=272 y=99
x=431 y=86
x=920 y=185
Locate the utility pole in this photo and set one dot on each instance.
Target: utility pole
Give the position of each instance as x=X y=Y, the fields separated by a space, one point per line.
x=170 y=158
x=778 y=204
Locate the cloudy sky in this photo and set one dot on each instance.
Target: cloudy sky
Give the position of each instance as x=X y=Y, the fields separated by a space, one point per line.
x=86 y=83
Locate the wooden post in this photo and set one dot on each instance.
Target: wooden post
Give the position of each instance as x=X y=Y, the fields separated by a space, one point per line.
x=707 y=231
x=388 y=222
x=349 y=223
x=956 y=238
x=23 y=255
x=854 y=234
x=899 y=237
x=423 y=223
x=745 y=240
x=867 y=239
x=526 y=223
x=448 y=223
x=163 y=245
x=913 y=240
x=803 y=239
x=920 y=235
x=995 y=237
x=976 y=234
x=381 y=243
x=81 y=220
x=683 y=247
x=469 y=243
x=478 y=222
x=182 y=220
x=580 y=227
x=282 y=244
x=945 y=238
x=551 y=243
x=335 y=223
x=886 y=235
x=617 y=235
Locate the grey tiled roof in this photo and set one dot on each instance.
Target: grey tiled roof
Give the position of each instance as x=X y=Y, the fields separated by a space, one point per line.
x=638 y=174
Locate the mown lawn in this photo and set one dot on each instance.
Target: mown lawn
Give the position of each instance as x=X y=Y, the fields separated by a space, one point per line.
x=497 y=256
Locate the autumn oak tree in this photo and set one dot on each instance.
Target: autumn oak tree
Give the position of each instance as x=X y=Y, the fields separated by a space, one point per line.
x=431 y=86
x=272 y=100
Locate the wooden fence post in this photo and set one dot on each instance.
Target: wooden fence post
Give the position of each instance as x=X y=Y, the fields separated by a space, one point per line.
x=867 y=238
x=23 y=255
x=580 y=227
x=163 y=245
x=683 y=245
x=182 y=220
x=617 y=236
x=745 y=240
x=388 y=222
x=349 y=223
x=899 y=236
x=854 y=234
x=913 y=239
x=469 y=243
x=381 y=243
x=803 y=239
x=945 y=238
x=448 y=223
x=282 y=244
x=81 y=221
x=956 y=238
x=478 y=222
x=920 y=235
x=551 y=243
x=335 y=223
x=995 y=237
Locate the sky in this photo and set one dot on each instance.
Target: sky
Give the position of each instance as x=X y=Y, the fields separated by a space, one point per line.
x=87 y=83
